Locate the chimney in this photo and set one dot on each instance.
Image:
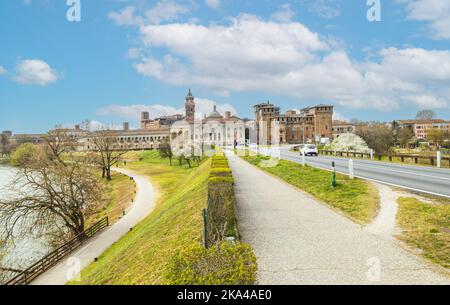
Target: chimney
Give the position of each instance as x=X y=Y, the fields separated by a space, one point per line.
x=227 y=115
x=144 y=116
x=77 y=127
x=126 y=126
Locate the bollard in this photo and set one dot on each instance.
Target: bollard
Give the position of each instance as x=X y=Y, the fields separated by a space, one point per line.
x=333 y=178
x=371 y=154
x=351 y=174
x=303 y=159
x=438 y=159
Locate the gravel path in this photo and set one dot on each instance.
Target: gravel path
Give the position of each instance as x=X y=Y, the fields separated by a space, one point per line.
x=298 y=240
x=69 y=267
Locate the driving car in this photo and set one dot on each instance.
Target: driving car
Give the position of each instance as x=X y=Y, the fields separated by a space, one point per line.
x=309 y=150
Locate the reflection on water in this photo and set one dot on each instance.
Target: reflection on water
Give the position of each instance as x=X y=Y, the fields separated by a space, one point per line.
x=25 y=250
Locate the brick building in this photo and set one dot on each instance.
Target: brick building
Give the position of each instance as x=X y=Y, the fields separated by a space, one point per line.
x=312 y=124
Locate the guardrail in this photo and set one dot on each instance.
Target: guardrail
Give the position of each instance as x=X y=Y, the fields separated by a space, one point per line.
x=390 y=157
x=38 y=268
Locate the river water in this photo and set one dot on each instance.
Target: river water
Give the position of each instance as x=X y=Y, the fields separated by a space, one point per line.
x=25 y=250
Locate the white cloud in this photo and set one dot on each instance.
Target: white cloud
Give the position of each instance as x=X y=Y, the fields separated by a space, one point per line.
x=285 y=13
x=327 y=9
x=250 y=54
x=436 y=12
x=35 y=72
x=132 y=112
x=2 y=70
x=164 y=10
x=213 y=3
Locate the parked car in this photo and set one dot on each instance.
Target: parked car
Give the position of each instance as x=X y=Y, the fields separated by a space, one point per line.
x=309 y=150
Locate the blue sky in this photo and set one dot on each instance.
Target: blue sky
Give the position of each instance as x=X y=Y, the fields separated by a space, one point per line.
x=125 y=56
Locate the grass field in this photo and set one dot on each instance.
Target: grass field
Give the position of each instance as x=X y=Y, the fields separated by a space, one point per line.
x=426 y=227
x=142 y=256
x=118 y=195
x=356 y=198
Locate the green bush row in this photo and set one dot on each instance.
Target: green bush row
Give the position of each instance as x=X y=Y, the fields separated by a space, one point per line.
x=223 y=264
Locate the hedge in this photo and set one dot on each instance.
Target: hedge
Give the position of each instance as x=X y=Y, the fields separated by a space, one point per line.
x=223 y=264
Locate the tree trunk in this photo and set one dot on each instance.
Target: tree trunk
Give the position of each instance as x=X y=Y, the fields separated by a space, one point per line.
x=108 y=173
x=103 y=172
x=170 y=161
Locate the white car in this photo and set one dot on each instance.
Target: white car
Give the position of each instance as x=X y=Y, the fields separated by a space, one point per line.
x=309 y=150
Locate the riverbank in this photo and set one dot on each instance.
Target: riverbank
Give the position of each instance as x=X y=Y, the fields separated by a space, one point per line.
x=143 y=255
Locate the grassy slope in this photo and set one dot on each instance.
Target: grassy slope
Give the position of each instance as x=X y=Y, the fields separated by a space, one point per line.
x=358 y=199
x=422 y=225
x=118 y=195
x=141 y=257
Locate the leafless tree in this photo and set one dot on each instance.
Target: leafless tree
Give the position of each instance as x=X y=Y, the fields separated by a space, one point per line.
x=405 y=135
x=59 y=142
x=108 y=149
x=4 y=144
x=50 y=194
x=425 y=114
x=378 y=136
x=165 y=151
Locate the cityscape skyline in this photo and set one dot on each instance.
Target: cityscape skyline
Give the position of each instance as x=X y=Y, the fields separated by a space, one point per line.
x=123 y=58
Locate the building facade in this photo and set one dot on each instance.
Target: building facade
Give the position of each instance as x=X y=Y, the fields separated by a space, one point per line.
x=420 y=128
x=341 y=127
x=312 y=124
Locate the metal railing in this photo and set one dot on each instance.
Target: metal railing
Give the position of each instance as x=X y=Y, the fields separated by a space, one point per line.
x=390 y=157
x=41 y=266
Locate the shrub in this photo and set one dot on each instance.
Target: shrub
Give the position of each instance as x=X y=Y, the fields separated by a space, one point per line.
x=24 y=153
x=220 y=172
x=222 y=264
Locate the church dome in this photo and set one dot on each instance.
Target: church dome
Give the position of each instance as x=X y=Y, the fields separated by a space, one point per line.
x=215 y=113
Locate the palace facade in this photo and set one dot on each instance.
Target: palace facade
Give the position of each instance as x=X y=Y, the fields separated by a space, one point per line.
x=312 y=124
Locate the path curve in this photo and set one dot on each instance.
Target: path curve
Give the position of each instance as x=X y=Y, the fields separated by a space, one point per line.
x=68 y=268
x=298 y=240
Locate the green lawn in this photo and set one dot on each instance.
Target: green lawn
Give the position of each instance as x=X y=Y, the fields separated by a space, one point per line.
x=427 y=227
x=118 y=195
x=356 y=198
x=142 y=256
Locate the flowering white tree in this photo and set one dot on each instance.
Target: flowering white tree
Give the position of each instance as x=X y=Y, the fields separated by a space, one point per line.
x=349 y=142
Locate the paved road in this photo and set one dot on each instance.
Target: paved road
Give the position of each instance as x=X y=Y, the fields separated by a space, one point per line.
x=421 y=178
x=298 y=240
x=69 y=268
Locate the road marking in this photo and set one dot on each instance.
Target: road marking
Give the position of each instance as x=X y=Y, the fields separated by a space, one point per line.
x=383 y=182
x=386 y=169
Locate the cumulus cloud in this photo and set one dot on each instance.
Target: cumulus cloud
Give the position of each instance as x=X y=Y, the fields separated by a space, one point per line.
x=132 y=112
x=436 y=12
x=251 y=54
x=35 y=72
x=2 y=70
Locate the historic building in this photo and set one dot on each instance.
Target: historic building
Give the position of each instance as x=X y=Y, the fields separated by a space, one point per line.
x=341 y=127
x=216 y=129
x=420 y=128
x=312 y=124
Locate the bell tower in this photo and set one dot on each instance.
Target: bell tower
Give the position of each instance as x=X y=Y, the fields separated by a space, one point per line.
x=190 y=107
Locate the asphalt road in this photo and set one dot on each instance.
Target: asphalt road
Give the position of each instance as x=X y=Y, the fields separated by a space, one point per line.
x=420 y=178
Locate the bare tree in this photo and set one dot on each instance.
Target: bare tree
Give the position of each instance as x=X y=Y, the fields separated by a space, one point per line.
x=50 y=194
x=59 y=142
x=425 y=114
x=405 y=135
x=378 y=136
x=108 y=148
x=165 y=151
x=4 y=144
